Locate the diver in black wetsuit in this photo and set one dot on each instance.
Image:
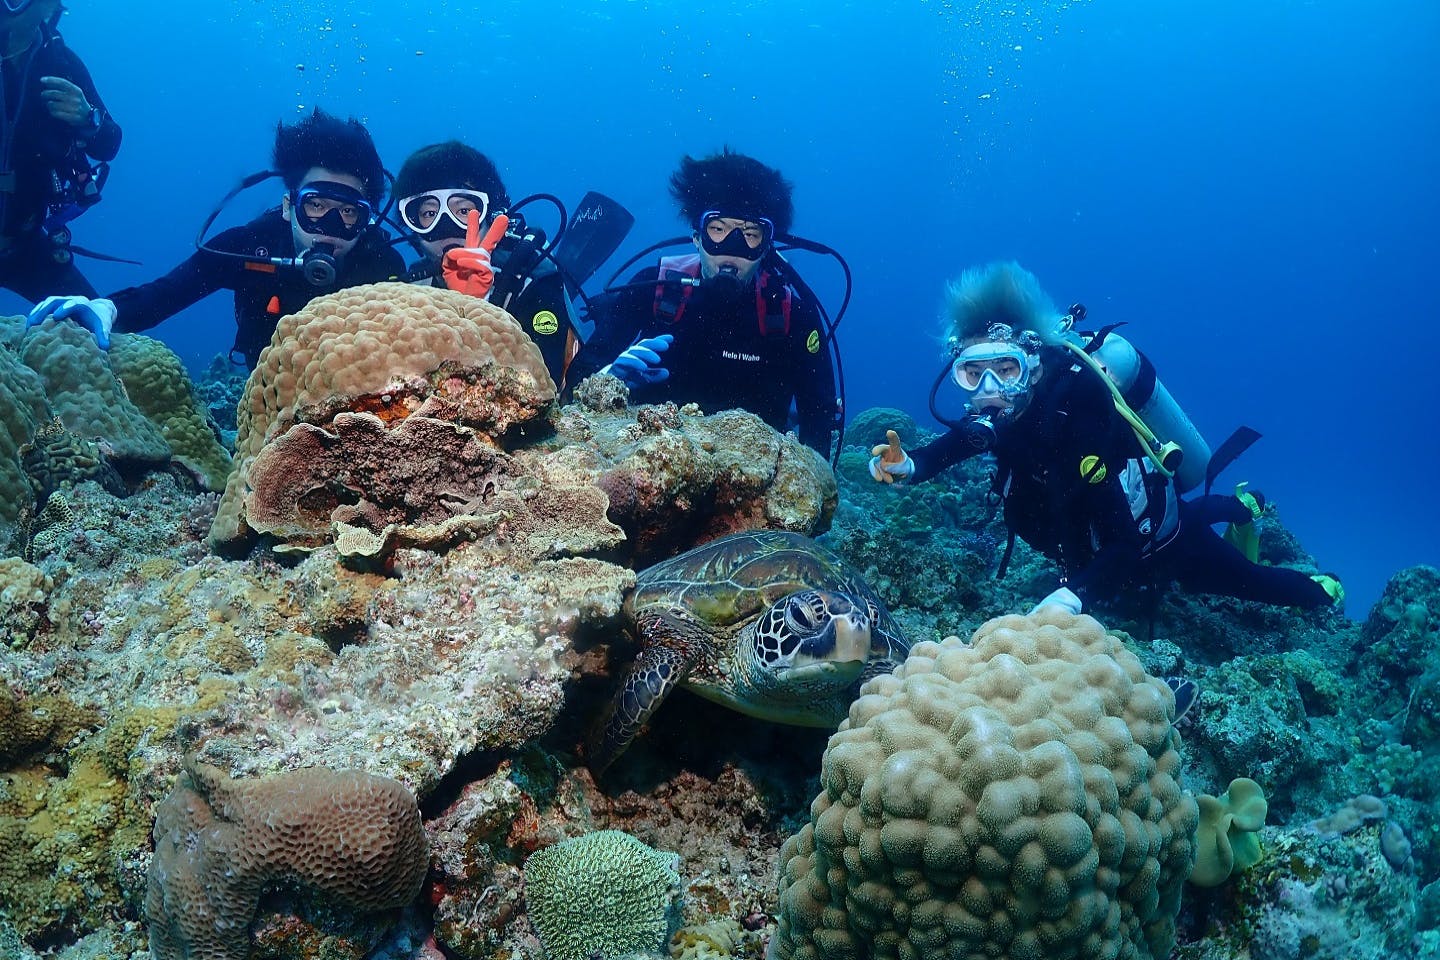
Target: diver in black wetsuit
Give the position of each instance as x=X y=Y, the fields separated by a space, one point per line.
x=54 y=125
x=324 y=236
x=733 y=330
x=1076 y=483
x=436 y=189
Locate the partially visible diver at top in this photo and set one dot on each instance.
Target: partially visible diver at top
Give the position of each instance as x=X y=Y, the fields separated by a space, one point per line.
x=55 y=125
x=325 y=235
x=730 y=325
x=452 y=206
x=1083 y=479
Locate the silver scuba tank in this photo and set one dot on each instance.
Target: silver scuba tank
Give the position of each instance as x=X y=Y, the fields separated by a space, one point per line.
x=1133 y=373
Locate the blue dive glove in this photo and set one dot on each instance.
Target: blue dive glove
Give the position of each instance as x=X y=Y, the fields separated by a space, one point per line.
x=640 y=363
x=97 y=316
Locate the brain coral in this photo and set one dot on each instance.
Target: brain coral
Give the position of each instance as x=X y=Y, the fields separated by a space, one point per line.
x=219 y=842
x=1014 y=797
x=603 y=893
x=392 y=350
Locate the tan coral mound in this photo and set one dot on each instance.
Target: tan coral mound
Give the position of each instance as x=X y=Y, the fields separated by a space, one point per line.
x=219 y=842
x=1016 y=797
x=393 y=350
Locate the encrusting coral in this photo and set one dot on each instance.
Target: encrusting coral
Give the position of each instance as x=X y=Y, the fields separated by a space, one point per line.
x=602 y=893
x=1014 y=797
x=220 y=842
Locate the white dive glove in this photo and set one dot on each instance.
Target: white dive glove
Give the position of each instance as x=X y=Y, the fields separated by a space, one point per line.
x=1064 y=598
x=97 y=316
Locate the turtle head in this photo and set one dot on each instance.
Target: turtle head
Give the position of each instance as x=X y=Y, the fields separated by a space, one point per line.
x=816 y=639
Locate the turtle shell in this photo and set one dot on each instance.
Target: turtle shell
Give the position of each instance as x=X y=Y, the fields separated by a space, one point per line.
x=729 y=582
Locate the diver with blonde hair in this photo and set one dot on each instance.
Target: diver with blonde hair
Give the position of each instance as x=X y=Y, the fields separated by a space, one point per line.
x=1083 y=478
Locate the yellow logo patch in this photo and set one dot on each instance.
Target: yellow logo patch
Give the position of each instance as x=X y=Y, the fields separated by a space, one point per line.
x=812 y=342
x=545 y=322
x=1091 y=468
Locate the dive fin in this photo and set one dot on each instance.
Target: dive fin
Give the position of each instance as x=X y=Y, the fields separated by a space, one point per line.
x=109 y=258
x=597 y=228
x=1226 y=454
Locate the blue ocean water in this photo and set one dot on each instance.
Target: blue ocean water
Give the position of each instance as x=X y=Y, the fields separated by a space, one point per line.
x=1250 y=186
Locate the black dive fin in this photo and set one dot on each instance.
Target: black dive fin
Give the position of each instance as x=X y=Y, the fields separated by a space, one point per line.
x=597 y=228
x=1226 y=454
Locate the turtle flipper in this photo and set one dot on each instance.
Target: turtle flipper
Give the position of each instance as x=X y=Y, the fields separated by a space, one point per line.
x=656 y=671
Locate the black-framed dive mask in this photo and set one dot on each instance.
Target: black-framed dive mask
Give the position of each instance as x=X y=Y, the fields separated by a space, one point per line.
x=723 y=235
x=329 y=209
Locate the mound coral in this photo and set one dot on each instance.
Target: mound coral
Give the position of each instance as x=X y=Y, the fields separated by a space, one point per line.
x=76 y=409
x=1014 y=797
x=602 y=893
x=219 y=842
x=390 y=351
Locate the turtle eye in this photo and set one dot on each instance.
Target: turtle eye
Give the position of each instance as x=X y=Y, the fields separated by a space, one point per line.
x=805 y=612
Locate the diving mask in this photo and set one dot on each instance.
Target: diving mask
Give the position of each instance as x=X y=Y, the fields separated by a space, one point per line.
x=16 y=6
x=723 y=235
x=992 y=370
x=423 y=213
x=329 y=209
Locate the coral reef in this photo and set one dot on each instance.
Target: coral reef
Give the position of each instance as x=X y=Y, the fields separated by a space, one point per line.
x=638 y=907
x=1227 y=838
x=220 y=842
x=71 y=414
x=1016 y=796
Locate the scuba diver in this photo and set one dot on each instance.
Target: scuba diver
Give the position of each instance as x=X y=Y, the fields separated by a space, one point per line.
x=732 y=324
x=325 y=235
x=54 y=126
x=453 y=208
x=1086 y=485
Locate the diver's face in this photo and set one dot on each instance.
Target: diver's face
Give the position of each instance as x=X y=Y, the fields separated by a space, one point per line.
x=336 y=246
x=720 y=229
x=447 y=234
x=20 y=26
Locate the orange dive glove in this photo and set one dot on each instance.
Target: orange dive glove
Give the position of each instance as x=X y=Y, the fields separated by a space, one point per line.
x=467 y=269
x=889 y=461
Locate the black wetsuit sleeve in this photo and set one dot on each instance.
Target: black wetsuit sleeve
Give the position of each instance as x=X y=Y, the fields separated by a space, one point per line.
x=619 y=318
x=199 y=275
x=104 y=143
x=816 y=403
x=970 y=438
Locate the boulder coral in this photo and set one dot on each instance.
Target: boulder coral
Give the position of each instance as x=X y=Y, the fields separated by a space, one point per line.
x=391 y=351
x=220 y=842
x=1013 y=797
x=133 y=406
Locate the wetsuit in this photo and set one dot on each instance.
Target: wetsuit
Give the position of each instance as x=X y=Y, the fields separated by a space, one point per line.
x=732 y=349
x=1060 y=464
x=33 y=144
x=371 y=260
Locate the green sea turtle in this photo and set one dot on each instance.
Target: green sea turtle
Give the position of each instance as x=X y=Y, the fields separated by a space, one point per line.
x=768 y=623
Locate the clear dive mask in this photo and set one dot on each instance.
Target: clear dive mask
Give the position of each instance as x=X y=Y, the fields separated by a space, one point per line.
x=726 y=235
x=992 y=370
x=328 y=209
x=442 y=211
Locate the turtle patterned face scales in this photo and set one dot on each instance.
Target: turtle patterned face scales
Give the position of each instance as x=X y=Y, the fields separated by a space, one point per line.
x=811 y=627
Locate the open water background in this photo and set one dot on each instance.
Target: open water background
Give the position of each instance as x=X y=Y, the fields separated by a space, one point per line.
x=1252 y=186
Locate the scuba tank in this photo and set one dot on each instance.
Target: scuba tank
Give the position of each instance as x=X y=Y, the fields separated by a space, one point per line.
x=1146 y=396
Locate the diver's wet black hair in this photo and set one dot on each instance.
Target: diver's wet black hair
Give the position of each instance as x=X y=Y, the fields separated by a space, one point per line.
x=321 y=140
x=734 y=184
x=451 y=164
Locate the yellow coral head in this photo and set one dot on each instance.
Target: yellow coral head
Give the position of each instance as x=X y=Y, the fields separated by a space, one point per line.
x=996 y=293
